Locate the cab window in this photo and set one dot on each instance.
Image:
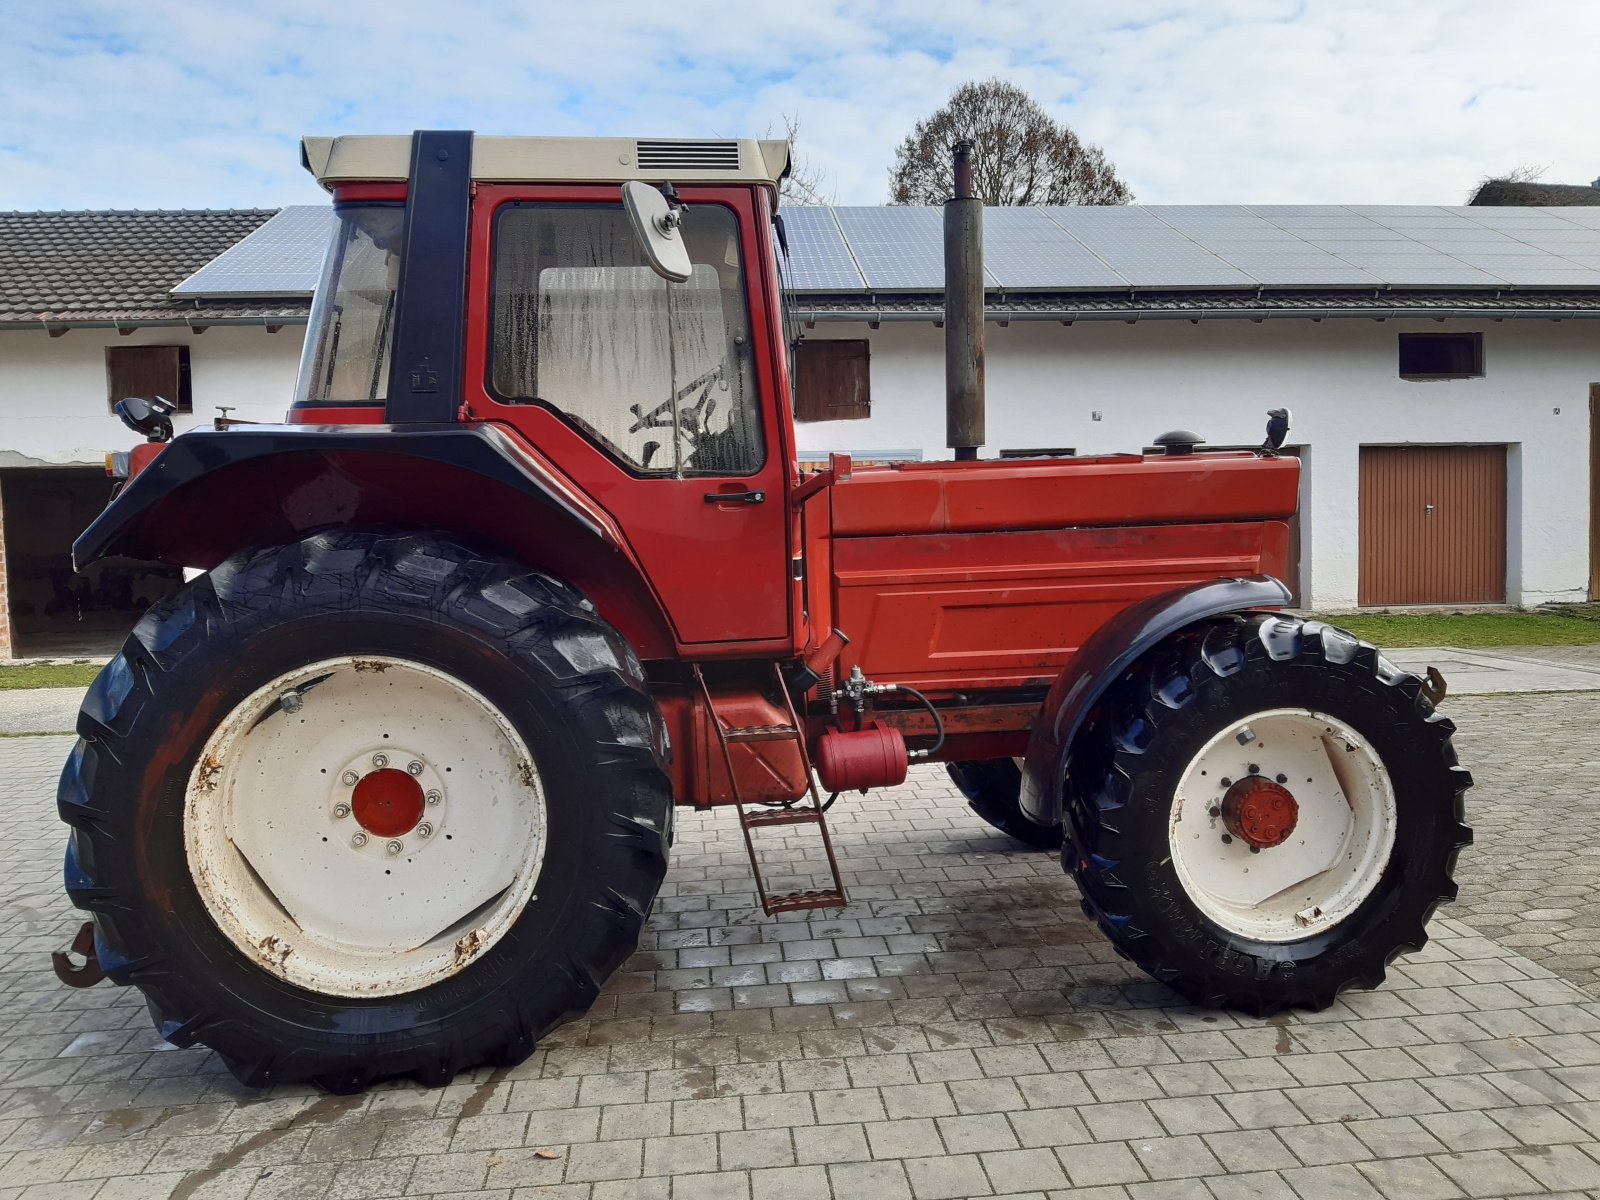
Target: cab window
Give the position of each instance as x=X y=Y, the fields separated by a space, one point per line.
x=659 y=375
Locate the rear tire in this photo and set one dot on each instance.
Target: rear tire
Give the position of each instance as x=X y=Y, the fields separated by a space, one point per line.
x=1258 y=697
x=993 y=788
x=175 y=740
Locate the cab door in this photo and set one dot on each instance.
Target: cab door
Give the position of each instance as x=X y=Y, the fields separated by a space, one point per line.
x=653 y=398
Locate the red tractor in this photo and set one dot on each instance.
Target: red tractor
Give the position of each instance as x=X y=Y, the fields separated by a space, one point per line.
x=388 y=789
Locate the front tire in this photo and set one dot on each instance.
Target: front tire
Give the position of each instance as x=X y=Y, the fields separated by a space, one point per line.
x=367 y=805
x=1352 y=832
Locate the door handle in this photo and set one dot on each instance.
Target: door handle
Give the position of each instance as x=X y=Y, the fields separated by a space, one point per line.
x=755 y=497
x=1427 y=510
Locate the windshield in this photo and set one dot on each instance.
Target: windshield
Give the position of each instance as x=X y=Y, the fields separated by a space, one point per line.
x=346 y=357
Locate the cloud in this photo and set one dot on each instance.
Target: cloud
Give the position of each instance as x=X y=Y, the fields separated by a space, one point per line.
x=173 y=104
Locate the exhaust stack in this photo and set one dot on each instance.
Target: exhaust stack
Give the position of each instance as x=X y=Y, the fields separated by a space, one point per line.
x=963 y=311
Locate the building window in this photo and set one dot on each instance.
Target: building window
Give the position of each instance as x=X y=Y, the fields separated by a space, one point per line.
x=832 y=380
x=149 y=371
x=1441 y=355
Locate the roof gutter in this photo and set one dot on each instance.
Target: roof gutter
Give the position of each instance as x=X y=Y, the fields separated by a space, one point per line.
x=52 y=324
x=1134 y=315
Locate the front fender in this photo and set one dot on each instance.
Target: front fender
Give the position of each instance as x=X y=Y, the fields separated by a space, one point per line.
x=211 y=493
x=1104 y=656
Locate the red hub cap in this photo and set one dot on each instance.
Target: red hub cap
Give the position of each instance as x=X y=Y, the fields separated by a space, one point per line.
x=1261 y=812
x=388 y=803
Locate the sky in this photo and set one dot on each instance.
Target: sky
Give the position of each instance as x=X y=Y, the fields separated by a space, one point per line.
x=173 y=104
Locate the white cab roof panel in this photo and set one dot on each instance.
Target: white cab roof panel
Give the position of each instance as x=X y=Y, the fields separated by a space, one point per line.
x=387 y=157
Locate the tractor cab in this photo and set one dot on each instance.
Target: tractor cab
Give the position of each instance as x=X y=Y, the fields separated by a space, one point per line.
x=666 y=402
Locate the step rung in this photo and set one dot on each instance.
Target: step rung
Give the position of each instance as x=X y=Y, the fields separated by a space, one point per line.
x=761 y=733
x=796 y=901
x=780 y=816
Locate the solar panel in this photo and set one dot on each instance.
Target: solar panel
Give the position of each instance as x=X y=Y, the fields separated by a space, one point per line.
x=851 y=249
x=1024 y=248
x=1553 y=236
x=1345 y=237
x=819 y=260
x=1566 y=275
x=897 y=248
x=1490 y=215
x=281 y=258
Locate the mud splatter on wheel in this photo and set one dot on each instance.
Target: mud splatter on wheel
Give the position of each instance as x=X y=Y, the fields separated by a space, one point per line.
x=380 y=806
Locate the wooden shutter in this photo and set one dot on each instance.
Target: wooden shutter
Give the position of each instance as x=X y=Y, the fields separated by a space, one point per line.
x=1433 y=525
x=147 y=371
x=831 y=381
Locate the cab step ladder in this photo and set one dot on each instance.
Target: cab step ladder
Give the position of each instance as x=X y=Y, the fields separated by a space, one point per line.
x=757 y=817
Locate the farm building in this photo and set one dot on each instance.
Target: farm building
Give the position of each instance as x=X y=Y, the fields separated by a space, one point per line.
x=1442 y=366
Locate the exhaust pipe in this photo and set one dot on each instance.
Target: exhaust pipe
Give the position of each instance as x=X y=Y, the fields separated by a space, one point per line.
x=963 y=312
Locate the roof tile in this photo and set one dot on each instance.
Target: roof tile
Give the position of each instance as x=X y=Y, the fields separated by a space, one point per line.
x=76 y=267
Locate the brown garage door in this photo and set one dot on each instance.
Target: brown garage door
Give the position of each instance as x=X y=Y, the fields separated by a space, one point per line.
x=1433 y=525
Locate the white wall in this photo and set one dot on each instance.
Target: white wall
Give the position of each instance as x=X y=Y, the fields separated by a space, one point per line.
x=1218 y=378
x=1044 y=382
x=53 y=391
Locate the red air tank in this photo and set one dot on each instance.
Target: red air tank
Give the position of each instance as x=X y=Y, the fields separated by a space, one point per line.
x=865 y=758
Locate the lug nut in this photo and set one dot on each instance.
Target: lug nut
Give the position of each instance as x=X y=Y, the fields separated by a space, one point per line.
x=359 y=840
x=1246 y=735
x=1227 y=839
x=413 y=767
x=435 y=796
x=380 y=760
x=1214 y=811
x=396 y=846
x=1254 y=769
x=291 y=701
x=424 y=830
x=341 y=811
x=349 y=779
x=1226 y=782
x=1282 y=778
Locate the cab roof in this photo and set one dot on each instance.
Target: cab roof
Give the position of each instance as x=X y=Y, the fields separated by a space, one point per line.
x=380 y=158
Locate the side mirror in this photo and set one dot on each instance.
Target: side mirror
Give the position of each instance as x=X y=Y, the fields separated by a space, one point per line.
x=152 y=417
x=656 y=227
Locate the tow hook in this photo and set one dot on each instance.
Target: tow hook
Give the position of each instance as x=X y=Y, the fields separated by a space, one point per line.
x=74 y=976
x=1434 y=687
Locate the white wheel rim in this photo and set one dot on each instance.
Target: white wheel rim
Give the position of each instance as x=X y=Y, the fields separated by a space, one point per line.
x=277 y=848
x=1331 y=861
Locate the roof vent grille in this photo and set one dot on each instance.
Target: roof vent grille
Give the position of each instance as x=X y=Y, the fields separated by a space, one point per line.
x=688 y=156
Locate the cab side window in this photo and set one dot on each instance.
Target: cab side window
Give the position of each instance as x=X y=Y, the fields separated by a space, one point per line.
x=660 y=375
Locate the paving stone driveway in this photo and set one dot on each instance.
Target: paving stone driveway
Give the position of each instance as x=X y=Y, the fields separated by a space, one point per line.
x=959 y=1031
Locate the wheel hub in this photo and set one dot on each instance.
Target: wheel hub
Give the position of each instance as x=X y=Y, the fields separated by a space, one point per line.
x=1260 y=812
x=388 y=803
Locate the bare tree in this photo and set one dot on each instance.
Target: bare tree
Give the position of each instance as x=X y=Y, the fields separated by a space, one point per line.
x=806 y=182
x=1509 y=181
x=1020 y=155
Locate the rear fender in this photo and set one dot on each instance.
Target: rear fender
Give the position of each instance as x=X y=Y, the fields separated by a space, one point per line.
x=1102 y=659
x=211 y=493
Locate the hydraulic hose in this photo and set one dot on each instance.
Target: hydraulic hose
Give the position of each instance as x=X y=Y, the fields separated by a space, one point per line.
x=938 y=721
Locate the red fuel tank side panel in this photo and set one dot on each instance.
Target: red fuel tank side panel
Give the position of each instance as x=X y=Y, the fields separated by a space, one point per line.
x=958 y=611
x=991 y=495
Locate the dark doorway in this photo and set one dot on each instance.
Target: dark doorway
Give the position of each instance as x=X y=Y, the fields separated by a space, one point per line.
x=55 y=612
